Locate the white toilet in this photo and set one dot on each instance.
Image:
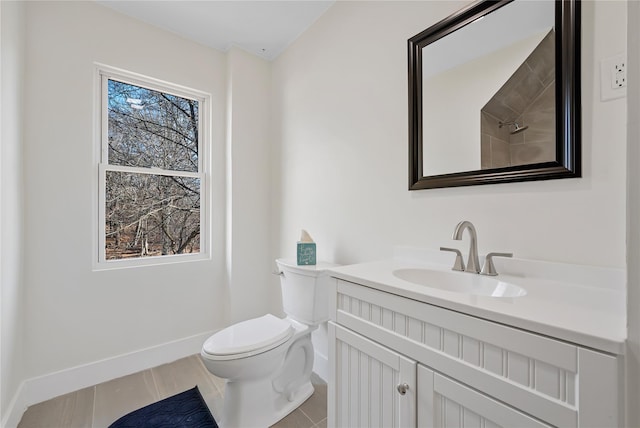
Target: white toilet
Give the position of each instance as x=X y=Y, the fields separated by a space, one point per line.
x=267 y=361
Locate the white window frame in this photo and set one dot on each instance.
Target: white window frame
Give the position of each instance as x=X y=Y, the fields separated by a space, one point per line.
x=103 y=74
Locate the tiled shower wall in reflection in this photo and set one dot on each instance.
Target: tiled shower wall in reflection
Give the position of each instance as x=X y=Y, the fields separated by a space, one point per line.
x=527 y=98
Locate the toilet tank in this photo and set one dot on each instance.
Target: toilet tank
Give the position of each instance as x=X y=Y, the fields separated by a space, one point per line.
x=305 y=293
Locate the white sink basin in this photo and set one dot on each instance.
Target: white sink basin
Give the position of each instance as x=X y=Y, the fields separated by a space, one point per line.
x=460 y=282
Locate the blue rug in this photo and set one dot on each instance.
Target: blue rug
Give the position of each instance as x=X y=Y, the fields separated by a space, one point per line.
x=184 y=410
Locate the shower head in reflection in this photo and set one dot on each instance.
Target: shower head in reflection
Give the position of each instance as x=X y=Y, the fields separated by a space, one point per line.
x=516 y=126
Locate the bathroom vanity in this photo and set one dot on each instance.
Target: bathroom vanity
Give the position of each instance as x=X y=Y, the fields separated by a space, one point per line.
x=406 y=354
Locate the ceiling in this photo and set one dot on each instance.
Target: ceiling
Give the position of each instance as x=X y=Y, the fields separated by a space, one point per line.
x=262 y=27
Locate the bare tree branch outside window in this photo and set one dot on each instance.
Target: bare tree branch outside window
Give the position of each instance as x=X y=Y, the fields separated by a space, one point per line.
x=154 y=209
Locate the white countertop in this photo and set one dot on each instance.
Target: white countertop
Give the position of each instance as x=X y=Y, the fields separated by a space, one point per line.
x=582 y=304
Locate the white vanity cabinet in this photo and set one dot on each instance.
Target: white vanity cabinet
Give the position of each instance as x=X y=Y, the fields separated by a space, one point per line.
x=457 y=370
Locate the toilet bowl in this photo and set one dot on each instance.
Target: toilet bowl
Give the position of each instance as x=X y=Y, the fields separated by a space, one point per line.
x=267 y=361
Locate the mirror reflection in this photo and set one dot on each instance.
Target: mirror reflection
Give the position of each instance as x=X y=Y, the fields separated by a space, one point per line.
x=488 y=92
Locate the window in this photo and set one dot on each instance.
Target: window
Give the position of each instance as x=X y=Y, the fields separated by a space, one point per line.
x=152 y=169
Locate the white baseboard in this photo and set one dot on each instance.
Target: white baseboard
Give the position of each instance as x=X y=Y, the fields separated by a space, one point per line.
x=16 y=409
x=321 y=366
x=46 y=387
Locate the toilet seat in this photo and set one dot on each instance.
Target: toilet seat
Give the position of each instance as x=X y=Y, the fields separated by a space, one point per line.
x=248 y=338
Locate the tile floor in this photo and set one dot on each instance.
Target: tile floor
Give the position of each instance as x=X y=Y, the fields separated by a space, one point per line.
x=100 y=405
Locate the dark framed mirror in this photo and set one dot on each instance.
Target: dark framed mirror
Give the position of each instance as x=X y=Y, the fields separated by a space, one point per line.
x=494 y=95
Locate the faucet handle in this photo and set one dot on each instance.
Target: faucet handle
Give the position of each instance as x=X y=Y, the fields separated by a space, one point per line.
x=458 y=264
x=489 y=269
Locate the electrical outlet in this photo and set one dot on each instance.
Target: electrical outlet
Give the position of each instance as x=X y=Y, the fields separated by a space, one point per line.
x=613 y=77
x=619 y=75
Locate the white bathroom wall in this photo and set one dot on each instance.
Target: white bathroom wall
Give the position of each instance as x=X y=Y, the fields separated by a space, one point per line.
x=249 y=185
x=75 y=315
x=632 y=357
x=340 y=112
x=11 y=246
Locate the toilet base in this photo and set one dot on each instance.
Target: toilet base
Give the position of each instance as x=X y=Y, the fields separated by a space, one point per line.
x=264 y=388
x=265 y=411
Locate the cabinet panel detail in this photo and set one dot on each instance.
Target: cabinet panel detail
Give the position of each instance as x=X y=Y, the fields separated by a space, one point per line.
x=366 y=379
x=455 y=405
x=601 y=387
x=500 y=359
x=560 y=354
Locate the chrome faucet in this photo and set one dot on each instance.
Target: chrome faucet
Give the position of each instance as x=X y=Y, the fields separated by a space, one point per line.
x=489 y=268
x=473 y=264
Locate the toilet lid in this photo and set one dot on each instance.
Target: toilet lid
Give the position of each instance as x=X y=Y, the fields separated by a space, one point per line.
x=252 y=336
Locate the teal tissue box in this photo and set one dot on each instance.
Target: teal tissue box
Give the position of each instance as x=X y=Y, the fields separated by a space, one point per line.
x=306 y=253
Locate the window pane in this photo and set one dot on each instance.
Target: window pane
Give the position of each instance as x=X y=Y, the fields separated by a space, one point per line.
x=152 y=129
x=151 y=215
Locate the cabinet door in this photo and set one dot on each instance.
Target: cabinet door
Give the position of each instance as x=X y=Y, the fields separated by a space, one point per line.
x=369 y=385
x=443 y=402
